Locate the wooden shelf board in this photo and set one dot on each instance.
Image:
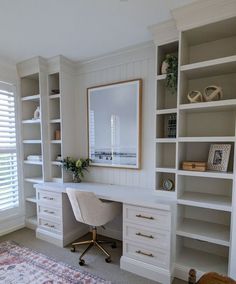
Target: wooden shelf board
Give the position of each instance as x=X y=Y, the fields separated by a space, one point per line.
x=165 y=170
x=207 y=139
x=166 y=140
x=31 y=199
x=204 y=231
x=55 y=96
x=211 y=68
x=209 y=106
x=166 y=111
x=206 y=200
x=161 y=77
x=55 y=141
x=56 y=163
x=31 y=121
x=33 y=162
x=212 y=174
x=34 y=179
x=58 y=120
x=31 y=98
x=32 y=141
x=203 y=262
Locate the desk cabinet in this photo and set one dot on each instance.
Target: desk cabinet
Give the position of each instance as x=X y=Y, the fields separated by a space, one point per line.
x=147 y=242
x=56 y=221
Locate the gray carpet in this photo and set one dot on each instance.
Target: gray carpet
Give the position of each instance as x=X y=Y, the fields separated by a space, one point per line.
x=95 y=263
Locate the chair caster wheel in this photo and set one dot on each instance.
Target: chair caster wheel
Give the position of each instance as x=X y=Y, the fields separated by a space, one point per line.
x=81 y=262
x=72 y=249
x=108 y=260
x=114 y=245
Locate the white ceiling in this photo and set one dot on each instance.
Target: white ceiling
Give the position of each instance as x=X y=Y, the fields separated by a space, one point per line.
x=77 y=29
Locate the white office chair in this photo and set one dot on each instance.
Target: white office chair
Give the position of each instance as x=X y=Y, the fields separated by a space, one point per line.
x=92 y=211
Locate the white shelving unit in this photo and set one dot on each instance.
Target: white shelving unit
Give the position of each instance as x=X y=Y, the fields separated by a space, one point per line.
x=205 y=213
x=49 y=84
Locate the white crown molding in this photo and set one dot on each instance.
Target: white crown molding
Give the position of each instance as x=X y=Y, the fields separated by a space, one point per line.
x=164 y=32
x=203 y=12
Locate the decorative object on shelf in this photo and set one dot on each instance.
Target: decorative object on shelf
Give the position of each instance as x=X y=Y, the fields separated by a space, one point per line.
x=168 y=184
x=34 y=158
x=76 y=167
x=192 y=276
x=57 y=134
x=37 y=113
x=55 y=91
x=170 y=68
x=218 y=158
x=213 y=93
x=194 y=166
x=171 y=126
x=59 y=158
x=195 y=97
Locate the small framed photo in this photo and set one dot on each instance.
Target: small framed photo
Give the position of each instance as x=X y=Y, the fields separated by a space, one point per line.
x=218 y=158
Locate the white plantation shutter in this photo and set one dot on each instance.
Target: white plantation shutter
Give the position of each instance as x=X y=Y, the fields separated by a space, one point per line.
x=9 y=197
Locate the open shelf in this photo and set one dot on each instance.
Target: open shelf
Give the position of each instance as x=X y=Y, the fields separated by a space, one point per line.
x=166 y=155
x=202 y=261
x=206 y=200
x=214 y=67
x=34 y=179
x=31 y=98
x=214 y=139
x=55 y=141
x=58 y=120
x=211 y=174
x=55 y=96
x=31 y=121
x=31 y=222
x=204 y=231
x=33 y=162
x=31 y=199
x=32 y=141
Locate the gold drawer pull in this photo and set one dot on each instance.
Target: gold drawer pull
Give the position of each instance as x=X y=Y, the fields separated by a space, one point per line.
x=145 y=217
x=48 y=198
x=144 y=253
x=143 y=235
x=49 y=212
x=50 y=226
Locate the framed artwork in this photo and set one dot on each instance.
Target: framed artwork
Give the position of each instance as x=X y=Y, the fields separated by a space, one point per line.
x=218 y=158
x=114 y=124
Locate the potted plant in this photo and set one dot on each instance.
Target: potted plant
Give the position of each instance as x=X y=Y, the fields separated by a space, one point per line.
x=170 y=68
x=77 y=167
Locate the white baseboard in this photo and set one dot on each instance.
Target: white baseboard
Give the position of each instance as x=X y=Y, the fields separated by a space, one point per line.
x=12 y=225
x=111 y=233
x=146 y=270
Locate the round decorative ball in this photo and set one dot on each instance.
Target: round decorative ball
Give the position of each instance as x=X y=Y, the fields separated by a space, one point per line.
x=168 y=184
x=195 y=97
x=213 y=93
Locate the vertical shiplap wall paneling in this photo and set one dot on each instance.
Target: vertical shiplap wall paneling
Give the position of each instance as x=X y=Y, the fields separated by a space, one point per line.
x=138 y=63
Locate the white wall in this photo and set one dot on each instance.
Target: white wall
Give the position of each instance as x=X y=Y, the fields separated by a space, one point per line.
x=129 y=64
x=10 y=221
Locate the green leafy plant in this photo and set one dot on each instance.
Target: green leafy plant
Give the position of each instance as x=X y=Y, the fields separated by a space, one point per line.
x=172 y=73
x=77 y=167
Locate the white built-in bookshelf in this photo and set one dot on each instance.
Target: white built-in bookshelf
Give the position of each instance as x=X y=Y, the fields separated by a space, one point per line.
x=207 y=56
x=48 y=84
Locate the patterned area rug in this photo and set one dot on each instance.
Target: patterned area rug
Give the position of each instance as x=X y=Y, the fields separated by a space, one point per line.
x=20 y=265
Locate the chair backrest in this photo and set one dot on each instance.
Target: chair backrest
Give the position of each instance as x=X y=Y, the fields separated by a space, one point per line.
x=85 y=205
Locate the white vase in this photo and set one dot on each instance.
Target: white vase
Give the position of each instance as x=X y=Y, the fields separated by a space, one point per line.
x=37 y=113
x=164 y=67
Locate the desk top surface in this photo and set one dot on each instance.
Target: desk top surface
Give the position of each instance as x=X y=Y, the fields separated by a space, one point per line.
x=125 y=194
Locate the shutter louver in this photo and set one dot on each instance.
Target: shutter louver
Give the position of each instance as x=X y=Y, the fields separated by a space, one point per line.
x=9 y=197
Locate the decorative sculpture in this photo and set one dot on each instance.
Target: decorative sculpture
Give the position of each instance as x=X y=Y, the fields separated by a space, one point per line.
x=213 y=93
x=195 y=97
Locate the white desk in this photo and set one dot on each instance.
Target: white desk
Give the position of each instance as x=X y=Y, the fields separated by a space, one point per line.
x=147 y=224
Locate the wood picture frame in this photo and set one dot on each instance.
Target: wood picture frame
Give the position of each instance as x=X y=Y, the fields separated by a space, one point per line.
x=218 y=157
x=114 y=114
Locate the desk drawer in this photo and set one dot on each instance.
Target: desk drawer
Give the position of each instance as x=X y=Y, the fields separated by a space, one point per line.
x=49 y=212
x=147 y=216
x=49 y=198
x=49 y=225
x=156 y=238
x=154 y=256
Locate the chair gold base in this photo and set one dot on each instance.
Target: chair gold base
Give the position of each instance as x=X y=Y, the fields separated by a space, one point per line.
x=91 y=243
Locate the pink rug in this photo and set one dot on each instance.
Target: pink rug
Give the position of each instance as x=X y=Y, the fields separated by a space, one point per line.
x=20 y=265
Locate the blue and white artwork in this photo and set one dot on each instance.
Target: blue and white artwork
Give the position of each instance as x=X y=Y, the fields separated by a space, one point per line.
x=114 y=124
